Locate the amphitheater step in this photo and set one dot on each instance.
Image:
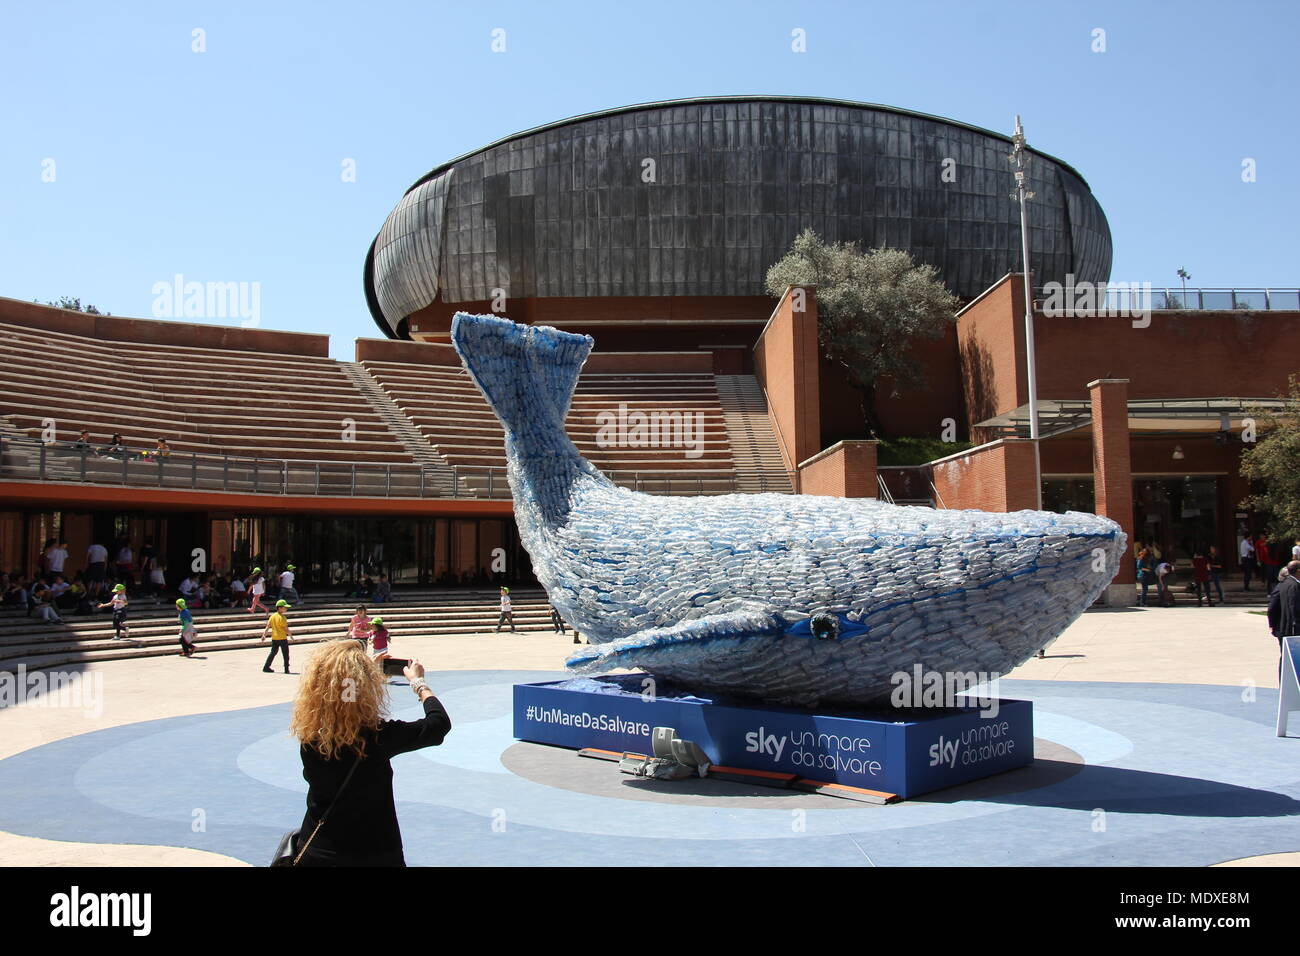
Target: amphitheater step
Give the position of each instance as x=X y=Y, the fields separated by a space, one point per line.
x=759 y=465
x=153 y=630
x=439 y=475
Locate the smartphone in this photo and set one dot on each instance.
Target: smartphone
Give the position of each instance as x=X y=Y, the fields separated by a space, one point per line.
x=393 y=666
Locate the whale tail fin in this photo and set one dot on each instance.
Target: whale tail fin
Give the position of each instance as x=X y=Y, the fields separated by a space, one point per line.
x=526 y=372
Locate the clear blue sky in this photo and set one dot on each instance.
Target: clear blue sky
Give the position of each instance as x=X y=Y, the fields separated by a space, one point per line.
x=225 y=165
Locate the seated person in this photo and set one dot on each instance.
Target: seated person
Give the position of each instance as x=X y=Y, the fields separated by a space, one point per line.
x=383 y=590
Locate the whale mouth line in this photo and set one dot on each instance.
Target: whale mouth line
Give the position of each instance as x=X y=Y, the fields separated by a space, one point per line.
x=862 y=631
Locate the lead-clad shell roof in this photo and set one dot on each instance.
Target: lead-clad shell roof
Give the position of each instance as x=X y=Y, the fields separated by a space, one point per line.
x=701 y=196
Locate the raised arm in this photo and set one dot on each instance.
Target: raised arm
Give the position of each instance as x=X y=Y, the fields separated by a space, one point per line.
x=403 y=736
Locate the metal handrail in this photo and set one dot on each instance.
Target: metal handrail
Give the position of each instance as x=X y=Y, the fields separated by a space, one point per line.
x=1202 y=299
x=28 y=458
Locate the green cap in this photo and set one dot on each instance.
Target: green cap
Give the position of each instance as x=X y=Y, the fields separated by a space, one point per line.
x=377 y=621
x=180 y=603
x=257 y=570
x=505 y=590
x=290 y=567
x=283 y=603
x=119 y=587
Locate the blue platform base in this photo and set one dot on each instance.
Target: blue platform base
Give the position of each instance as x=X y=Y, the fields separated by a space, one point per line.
x=907 y=753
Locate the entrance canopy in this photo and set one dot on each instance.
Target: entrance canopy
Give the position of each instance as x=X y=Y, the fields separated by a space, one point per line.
x=1178 y=416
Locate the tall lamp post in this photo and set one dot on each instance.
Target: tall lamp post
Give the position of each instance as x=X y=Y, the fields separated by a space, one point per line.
x=1184 y=275
x=1019 y=156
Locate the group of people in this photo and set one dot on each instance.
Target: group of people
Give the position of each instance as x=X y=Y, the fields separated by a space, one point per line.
x=1155 y=567
x=117 y=448
x=1265 y=560
x=1258 y=560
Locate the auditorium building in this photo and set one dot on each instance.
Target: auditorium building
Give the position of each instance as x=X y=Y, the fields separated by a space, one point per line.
x=649 y=228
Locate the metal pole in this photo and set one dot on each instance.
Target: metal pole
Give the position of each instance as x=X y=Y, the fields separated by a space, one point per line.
x=1018 y=155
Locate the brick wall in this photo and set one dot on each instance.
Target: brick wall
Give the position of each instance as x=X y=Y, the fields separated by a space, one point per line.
x=786 y=363
x=120 y=328
x=1178 y=355
x=846 y=470
x=991 y=346
x=998 y=476
x=1111 y=463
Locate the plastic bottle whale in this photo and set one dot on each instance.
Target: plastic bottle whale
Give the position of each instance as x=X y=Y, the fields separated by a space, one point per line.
x=793 y=599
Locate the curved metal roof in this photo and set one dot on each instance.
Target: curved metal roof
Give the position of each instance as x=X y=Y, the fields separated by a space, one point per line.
x=539 y=213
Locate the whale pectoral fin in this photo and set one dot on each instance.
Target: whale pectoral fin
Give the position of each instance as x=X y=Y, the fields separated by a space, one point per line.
x=640 y=648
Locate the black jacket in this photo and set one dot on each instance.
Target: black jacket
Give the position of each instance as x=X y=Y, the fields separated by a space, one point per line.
x=363 y=827
x=1284 y=608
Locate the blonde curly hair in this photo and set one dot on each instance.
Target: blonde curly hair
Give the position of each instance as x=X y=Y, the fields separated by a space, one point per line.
x=342 y=694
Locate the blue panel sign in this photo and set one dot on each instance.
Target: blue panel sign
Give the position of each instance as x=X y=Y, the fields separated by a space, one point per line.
x=926 y=751
x=1288 y=698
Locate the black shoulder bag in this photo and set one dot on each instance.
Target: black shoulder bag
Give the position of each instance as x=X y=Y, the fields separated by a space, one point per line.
x=285 y=854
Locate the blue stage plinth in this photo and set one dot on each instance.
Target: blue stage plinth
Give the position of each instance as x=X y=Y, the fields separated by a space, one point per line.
x=907 y=752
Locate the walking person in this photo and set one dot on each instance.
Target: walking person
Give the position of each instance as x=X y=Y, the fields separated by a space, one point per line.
x=1216 y=571
x=1264 y=558
x=55 y=557
x=256 y=587
x=346 y=745
x=277 y=629
x=188 y=633
x=360 y=626
x=96 y=569
x=1164 y=582
x=287 y=590
x=1246 y=551
x=1146 y=574
x=118 y=603
x=507 y=614
x=1201 y=577
x=379 y=641
x=124 y=563
x=1284 y=608
x=557 y=622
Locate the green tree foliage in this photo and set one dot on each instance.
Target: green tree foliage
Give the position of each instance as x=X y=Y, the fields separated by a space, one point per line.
x=1273 y=466
x=870 y=306
x=75 y=305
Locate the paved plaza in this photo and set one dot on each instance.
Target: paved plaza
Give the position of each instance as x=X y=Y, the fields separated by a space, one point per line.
x=1155 y=745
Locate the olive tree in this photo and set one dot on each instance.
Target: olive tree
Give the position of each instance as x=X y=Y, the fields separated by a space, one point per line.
x=871 y=306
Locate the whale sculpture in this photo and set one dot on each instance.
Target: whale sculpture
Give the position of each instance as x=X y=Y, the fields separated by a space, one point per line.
x=790 y=599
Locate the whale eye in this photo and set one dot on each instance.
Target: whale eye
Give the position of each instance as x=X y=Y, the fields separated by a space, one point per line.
x=824 y=627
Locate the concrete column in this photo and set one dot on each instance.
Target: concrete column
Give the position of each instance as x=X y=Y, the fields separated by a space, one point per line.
x=1112 y=474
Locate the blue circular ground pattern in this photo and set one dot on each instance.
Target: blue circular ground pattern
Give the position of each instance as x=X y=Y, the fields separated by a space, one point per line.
x=1173 y=775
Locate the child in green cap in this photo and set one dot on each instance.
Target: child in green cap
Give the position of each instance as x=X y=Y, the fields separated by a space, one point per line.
x=277 y=629
x=118 y=603
x=187 y=628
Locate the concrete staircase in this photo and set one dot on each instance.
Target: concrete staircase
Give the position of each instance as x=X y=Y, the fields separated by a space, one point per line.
x=427 y=613
x=754 y=448
x=440 y=479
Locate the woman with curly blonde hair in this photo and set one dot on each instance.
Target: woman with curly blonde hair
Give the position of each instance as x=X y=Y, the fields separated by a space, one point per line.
x=346 y=745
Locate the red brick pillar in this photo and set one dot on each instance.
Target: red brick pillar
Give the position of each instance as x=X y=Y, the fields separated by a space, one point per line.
x=1019 y=470
x=1112 y=475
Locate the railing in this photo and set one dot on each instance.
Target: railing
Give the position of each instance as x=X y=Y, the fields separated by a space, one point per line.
x=1137 y=297
x=32 y=460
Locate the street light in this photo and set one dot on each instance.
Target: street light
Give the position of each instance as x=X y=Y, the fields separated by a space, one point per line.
x=1019 y=156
